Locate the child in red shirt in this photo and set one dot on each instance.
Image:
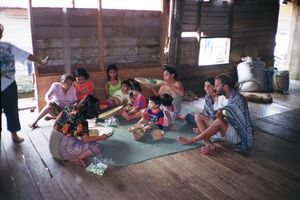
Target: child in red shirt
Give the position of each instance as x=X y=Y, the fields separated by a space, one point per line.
x=153 y=117
x=139 y=103
x=83 y=85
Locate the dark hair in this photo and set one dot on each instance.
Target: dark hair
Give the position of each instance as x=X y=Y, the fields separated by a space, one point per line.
x=127 y=83
x=225 y=80
x=166 y=99
x=136 y=86
x=89 y=107
x=1 y=30
x=209 y=79
x=66 y=77
x=171 y=70
x=111 y=67
x=131 y=82
x=155 y=99
x=81 y=72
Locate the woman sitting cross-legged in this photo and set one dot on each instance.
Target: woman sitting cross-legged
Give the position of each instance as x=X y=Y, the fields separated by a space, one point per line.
x=70 y=138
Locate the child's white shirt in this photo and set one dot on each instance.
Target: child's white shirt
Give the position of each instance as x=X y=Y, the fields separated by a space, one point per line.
x=121 y=96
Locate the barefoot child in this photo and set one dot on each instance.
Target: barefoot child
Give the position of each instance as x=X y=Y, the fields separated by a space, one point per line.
x=153 y=117
x=139 y=103
x=169 y=111
x=121 y=96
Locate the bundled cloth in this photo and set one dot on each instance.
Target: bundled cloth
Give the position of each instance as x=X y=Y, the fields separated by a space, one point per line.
x=238 y=116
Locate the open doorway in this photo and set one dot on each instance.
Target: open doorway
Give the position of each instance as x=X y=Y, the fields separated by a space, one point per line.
x=17 y=32
x=283 y=35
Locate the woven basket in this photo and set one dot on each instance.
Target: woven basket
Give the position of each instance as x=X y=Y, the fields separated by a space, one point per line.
x=157 y=134
x=137 y=131
x=145 y=82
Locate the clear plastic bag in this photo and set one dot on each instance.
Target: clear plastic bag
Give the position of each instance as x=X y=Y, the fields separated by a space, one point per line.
x=112 y=121
x=98 y=165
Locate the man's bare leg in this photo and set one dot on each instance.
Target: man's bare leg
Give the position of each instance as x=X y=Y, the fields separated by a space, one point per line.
x=217 y=125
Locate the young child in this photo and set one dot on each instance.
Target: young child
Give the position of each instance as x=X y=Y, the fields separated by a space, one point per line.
x=121 y=96
x=139 y=103
x=83 y=85
x=112 y=83
x=153 y=117
x=169 y=111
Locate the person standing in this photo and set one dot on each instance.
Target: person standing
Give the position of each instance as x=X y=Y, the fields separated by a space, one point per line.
x=9 y=54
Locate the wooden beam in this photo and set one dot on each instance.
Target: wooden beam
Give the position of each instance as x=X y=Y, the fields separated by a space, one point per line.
x=165 y=10
x=175 y=34
x=67 y=47
x=100 y=36
x=293 y=60
x=32 y=32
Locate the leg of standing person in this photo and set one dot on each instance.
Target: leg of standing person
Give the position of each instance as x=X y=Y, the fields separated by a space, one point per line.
x=9 y=104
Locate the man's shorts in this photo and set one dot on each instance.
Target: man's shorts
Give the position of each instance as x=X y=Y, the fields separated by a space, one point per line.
x=230 y=136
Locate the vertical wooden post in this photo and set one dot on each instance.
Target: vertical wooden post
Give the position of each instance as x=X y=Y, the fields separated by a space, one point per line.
x=175 y=34
x=164 y=17
x=32 y=28
x=293 y=60
x=33 y=39
x=67 y=47
x=100 y=36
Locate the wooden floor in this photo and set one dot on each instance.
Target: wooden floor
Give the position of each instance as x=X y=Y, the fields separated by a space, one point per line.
x=270 y=171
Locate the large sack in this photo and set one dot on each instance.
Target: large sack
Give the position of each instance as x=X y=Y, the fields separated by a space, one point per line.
x=251 y=75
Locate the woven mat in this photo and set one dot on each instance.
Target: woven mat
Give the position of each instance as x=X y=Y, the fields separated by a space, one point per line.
x=124 y=150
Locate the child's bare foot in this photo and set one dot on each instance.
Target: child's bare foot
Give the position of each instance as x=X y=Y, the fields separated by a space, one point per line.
x=196 y=130
x=184 y=140
x=180 y=116
x=207 y=148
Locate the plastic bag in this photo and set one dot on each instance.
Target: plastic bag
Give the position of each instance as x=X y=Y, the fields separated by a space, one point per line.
x=98 y=165
x=112 y=121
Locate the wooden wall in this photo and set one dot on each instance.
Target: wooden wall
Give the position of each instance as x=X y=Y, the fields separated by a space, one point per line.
x=254 y=27
x=131 y=37
x=91 y=38
x=251 y=25
x=134 y=40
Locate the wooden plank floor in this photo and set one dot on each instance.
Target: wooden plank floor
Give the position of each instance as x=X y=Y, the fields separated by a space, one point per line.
x=270 y=171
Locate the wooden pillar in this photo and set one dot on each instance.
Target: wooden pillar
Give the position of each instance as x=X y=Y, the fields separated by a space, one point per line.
x=100 y=36
x=175 y=34
x=36 y=72
x=164 y=21
x=67 y=47
x=293 y=60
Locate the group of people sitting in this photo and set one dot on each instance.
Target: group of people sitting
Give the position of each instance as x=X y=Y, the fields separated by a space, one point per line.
x=72 y=101
x=225 y=116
